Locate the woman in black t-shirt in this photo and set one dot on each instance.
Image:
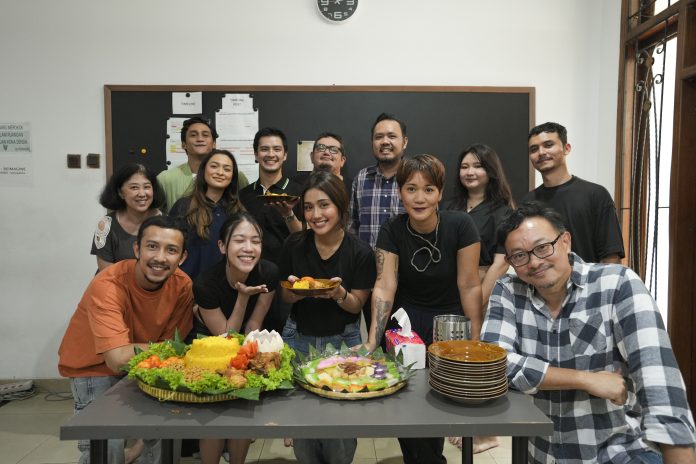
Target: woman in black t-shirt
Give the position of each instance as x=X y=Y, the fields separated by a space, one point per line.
x=234 y=294
x=325 y=250
x=427 y=263
x=482 y=190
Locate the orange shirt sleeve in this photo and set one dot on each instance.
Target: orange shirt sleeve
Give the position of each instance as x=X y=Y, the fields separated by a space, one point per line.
x=107 y=311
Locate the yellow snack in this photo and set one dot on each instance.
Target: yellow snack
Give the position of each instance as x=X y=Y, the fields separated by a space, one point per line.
x=304 y=284
x=212 y=353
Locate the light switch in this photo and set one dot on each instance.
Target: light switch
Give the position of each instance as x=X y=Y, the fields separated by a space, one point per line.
x=74 y=161
x=92 y=160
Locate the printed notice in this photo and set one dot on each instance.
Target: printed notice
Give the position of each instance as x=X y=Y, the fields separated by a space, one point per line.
x=14 y=137
x=304 y=155
x=15 y=154
x=187 y=102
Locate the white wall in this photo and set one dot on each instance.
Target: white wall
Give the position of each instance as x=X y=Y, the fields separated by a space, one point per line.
x=56 y=57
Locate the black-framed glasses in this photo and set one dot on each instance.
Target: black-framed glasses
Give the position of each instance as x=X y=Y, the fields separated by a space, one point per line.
x=330 y=148
x=543 y=250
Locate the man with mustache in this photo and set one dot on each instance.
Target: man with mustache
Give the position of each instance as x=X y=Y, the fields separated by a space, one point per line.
x=588 y=210
x=277 y=220
x=588 y=343
x=328 y=154
x=197 y=139
x=125 y=306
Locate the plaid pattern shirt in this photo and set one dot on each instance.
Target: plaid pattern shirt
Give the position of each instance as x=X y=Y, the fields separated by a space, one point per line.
x=374 y=199
x=608 y=322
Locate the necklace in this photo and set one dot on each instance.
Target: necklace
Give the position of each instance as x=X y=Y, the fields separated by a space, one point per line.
x=431 y=249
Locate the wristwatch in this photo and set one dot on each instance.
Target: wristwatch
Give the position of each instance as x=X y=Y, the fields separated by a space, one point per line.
x=288 y=219
x=342 y=299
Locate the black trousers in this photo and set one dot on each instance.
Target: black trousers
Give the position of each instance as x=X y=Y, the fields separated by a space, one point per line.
x=422 y=450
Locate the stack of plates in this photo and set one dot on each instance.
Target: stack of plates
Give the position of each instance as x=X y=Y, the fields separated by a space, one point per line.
x=468 y=371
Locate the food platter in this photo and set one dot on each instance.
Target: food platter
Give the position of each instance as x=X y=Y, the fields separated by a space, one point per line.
x=181 y=396
x=348 y=375
x=327 y=286
x=277 y=198
x=353 y=396
x=214 y=368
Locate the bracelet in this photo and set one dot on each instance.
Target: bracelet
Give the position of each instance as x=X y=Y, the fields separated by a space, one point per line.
x=288 y=219
x=342 y=299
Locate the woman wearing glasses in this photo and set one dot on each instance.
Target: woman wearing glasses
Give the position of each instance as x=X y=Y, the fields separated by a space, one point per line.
x=427 y=263
x=482 y=191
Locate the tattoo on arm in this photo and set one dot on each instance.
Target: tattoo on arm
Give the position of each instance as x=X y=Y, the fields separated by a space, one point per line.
x=379 y=260
x=383 y=309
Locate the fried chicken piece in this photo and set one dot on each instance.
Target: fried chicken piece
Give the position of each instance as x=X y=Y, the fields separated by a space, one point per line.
x=265 y=361
x=235 y=377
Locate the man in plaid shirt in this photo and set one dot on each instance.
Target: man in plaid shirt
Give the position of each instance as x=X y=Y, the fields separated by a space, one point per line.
x=375 y=195
x=588 y=343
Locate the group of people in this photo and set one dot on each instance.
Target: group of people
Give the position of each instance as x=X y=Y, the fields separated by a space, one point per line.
x=202 y=253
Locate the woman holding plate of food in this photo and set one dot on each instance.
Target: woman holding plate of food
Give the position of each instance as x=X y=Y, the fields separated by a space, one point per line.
x=427 y=263
x=234 y=294
x=325 y=250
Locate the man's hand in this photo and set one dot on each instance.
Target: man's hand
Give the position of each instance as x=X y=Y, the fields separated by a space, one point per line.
x=284 y=207
x=608 y=385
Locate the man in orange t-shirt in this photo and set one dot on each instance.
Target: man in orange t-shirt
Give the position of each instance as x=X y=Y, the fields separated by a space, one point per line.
x=128 y=304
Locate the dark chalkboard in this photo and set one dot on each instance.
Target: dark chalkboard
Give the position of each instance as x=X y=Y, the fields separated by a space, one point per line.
x=440 y=120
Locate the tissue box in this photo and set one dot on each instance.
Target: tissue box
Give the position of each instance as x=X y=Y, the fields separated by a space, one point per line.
x=413 y=347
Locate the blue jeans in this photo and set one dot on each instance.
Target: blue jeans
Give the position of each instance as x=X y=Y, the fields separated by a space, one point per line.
x=322 y=451
x=84 y=391
x=649 y=457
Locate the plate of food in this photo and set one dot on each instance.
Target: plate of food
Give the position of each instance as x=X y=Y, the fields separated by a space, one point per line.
x=349 y=375
x=309 y=286
x=270 y=197
x=216 y=368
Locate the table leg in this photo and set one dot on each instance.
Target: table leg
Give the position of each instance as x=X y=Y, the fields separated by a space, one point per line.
x=519 y=450
x=98 y=451
x=467 y=450
x=167 y=451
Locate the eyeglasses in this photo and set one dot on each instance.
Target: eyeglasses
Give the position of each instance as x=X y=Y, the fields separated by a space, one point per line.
x=541 y=251
x=330 y=148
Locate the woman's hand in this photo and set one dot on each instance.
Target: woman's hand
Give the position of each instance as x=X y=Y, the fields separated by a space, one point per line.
x=369 y=346
x=337 y=292
x=250 y=291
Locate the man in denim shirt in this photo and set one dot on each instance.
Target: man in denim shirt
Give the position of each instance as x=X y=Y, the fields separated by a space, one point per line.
x=588 y=343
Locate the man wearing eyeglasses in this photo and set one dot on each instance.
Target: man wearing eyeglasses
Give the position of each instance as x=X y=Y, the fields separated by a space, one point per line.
x=587 y=208
x=328 y=154
x=588 y=343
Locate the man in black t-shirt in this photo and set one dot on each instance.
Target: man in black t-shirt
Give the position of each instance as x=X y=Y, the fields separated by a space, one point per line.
x=277 y=220
x=587 y=209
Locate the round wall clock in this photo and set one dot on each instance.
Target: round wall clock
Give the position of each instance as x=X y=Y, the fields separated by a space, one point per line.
x=337 y=11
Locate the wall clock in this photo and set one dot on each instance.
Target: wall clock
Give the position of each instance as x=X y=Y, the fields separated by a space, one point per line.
x=337 y=11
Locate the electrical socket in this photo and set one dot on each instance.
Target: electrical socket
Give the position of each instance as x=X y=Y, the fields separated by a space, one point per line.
x=16 y=387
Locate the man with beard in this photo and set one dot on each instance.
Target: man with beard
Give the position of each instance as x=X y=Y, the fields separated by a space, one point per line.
x=127 y=305
x=197 y=139
x=375 y=195
x=328 y=154
x=277 y=220
x=587 y=209
x=588 y=343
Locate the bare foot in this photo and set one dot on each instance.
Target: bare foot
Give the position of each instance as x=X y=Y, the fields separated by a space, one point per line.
x=456 y=441
x=482 y=444
x=287 y=442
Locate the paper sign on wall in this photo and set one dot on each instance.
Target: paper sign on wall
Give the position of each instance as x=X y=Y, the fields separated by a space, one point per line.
x=187 y=102
x=15 y=137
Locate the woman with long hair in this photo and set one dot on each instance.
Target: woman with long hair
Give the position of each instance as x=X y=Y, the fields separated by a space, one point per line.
x=214 y=198
x=131 y=195
x=427 y=263
x=234 y=294
x=326 y=250
x=483 y=191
